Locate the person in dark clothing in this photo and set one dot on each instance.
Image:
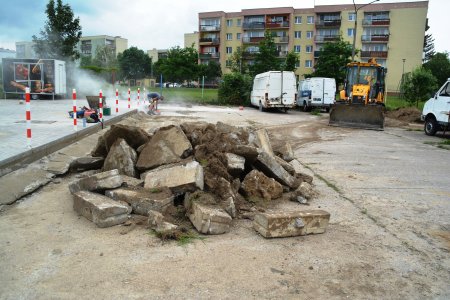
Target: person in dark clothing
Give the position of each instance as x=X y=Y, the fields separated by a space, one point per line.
x=153 y=98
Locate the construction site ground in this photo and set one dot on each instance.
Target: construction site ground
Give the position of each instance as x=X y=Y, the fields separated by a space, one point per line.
x=388 y=193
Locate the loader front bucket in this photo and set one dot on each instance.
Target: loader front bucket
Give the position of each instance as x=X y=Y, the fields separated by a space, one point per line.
x=357 y=116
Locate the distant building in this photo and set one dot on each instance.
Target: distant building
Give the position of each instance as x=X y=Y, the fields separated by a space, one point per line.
x=25 y=50
x=88 y=44
x=393 y=33
x=191 y=38
x=6 y=53
x=156 y=54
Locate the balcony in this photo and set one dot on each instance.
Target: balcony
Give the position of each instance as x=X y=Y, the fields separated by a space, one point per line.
x=328 y=23
x=282 y=53
x=209 y=41
x=376 y=54
x=316 y=54
x=252 y=40
x=326 y=38
x=281 y=39
x=284 y=24
x=254 y=25
x=204 y=28
x=376 y=22
x=249 y=54
x=375 y=38
x=209 y=55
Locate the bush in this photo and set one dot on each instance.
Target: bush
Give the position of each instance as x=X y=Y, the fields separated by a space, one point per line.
x=235 y=89
x=419 y=85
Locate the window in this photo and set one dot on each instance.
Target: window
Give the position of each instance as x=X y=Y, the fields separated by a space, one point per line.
x=309 y=49
x=228 y=63
x=297 y=64
x=298 y=20
x=298 y=34
x=297 y=48
x=229 y=36
x=310 y=20
x=238 y=22
x=351 y=16
x=350 y=31
x=309 y=34
x=308 y=63
x=229 y=50
x=238 y=36
x=229 y=23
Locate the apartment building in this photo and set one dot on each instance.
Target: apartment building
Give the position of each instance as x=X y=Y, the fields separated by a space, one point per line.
x=88 y=44
x=393 y=33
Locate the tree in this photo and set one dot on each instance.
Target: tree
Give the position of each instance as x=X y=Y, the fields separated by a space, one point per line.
x=134 y=63
x=419 y=85
x=237 y=64
x=235 y=89
x=428 y=45
x=181 y=64
x=267 y=59
x=211 y=71
x=61 y=33
x=439 y=66
x=333 y=57
x=290 y=64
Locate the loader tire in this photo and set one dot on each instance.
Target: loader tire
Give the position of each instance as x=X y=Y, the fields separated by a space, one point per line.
x=430 y=127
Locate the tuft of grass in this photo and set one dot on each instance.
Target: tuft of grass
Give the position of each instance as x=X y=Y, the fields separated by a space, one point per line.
x=182 y=236
x=204 y=162
x=329 y=184
x=445 y=142
x=315 y=112
x=189 y=237
x=155 y=190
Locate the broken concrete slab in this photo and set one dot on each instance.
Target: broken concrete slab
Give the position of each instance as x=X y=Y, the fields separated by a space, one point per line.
x=134 y=136
x=179 y=178
x=303 y=173
x=154 y=218
x=97 y=182
x=285 y=152
x=22 y=182
x=142 y=200
x=121 y=157
x=101 y=210
x=235 y=164
x=267 y=164
x=305 y=190
x=176 y=140
x=155 y=154
x=209 y=219
x=59 y=164
x=86 y=163
x=131 y=181
x=288 y=167
x=263 y=141
x=293 y=223
x=257 y=186
x=250 y=153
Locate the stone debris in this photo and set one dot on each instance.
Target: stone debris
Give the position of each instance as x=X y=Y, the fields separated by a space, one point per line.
x=293 y=223
x=101 y=210
x=195 y=175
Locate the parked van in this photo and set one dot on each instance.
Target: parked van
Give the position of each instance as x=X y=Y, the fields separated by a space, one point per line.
x=274 y=89
x=436 y=111
x=316 y=92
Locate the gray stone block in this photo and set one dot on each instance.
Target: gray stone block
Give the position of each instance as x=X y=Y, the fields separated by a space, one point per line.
x=209 y=219
x=97 y=182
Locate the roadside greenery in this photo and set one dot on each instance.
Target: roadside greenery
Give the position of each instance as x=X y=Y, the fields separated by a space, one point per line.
x=419 y=85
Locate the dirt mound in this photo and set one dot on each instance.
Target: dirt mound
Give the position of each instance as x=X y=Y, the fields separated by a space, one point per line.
x=405 y=114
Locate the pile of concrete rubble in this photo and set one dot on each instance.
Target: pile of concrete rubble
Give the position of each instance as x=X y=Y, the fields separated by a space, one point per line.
x=199 y=172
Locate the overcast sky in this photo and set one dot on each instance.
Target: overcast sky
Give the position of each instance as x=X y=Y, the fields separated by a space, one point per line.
x=161 y=24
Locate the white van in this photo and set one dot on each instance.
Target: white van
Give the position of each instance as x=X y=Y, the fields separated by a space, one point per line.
x=274 y=89
x=436 y=111
x=316 y=92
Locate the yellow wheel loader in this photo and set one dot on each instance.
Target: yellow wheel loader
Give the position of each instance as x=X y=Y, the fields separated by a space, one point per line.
x=361 y=103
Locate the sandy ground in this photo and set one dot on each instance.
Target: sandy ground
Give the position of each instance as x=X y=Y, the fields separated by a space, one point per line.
x=388 y=238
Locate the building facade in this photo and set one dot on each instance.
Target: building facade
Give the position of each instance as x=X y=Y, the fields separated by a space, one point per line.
x=87 y=45
x=393 y=33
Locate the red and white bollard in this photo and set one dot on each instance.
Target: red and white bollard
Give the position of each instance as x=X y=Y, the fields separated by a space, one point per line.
x=117 y=101
x=28 y=115
x=129 y=99
x=139 y=96
x=100 y=106
x=74 y=103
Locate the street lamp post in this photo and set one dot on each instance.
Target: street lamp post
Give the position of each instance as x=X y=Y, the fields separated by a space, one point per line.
x=356 y=24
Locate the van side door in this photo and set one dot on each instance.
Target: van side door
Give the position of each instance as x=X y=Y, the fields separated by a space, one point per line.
x=441 y=105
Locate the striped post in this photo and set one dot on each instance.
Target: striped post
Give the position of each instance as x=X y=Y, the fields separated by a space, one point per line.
x=28 y=115
x=129 y=99
x=139 y=96
x=100 y=106
x=117 y=101
x=74 y=103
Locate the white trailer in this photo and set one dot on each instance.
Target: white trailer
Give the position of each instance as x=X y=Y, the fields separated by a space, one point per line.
x=316 y=92
x=41 y=76
x=274 y=89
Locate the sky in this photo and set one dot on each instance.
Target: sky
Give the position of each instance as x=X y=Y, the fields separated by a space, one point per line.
x=161 y=24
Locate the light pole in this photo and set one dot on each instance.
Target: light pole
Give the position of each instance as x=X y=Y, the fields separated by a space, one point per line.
x=356 y=24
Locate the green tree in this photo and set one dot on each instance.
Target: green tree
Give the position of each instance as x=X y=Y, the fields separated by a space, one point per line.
x=61 y=33
x=439 y=66
x=333 y=57
x=235 y=89
x=181 y=64
x=267 y=59
x=291 y=61
x=134 y=63
x=237 y=63
x=211 y=71
x=419 y=85
x=428 y=45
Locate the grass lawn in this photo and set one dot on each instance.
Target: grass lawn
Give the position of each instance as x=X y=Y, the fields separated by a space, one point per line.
x=394 y=102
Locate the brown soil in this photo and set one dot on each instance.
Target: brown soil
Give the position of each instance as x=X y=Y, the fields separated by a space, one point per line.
x=405 y=114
